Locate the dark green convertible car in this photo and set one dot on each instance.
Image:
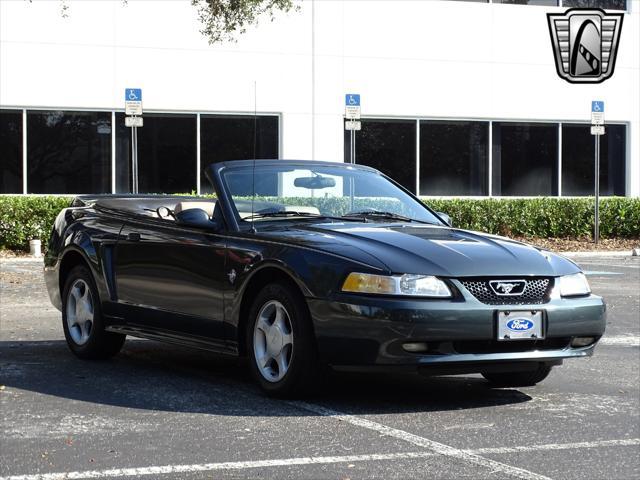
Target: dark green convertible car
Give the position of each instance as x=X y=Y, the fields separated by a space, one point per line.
x=303 y=266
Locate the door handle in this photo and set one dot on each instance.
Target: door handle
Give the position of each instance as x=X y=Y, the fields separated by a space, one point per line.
x=133 y=237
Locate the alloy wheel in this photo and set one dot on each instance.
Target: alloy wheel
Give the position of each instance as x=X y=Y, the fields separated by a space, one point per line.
x=80 y=312
x=273 y=341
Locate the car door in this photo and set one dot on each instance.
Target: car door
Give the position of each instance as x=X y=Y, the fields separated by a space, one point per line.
x=170 y=278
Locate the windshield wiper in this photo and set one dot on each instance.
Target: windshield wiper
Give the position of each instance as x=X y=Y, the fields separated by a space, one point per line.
x=284 y=213
x=290 y=213
x=381 y=214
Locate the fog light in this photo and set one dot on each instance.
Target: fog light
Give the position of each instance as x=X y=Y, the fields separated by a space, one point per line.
x=578 y=342
x=416 y=347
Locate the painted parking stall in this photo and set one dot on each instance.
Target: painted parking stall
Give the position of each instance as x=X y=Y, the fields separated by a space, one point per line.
x=164 y=412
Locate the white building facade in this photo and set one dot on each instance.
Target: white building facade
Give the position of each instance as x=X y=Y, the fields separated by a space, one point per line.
x=459 y=98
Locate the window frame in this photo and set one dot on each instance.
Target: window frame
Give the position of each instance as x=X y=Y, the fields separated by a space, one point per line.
x=490 y=121
x=113 y=178
x=415 y=119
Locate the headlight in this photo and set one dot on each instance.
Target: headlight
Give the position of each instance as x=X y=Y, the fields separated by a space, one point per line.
x=414 y=285
x=576 y=284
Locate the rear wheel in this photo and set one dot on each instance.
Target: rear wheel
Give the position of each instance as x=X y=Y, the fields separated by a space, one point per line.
x=82 y=318
x=519 y=379
x=280 y=342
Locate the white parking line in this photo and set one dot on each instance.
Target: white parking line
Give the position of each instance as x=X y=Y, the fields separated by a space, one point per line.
x=436 y=447
x=629 y=442
x=284 y=462
x=621 y=340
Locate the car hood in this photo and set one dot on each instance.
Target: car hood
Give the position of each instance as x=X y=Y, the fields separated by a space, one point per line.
x=427 y=249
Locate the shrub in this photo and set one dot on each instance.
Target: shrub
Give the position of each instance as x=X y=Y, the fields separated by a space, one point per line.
x=544 y=217
x=23 y=218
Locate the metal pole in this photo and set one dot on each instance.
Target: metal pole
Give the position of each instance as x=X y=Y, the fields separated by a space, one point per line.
x=351 y=147
x=352 y=159
x=354 y=146
x=134 y=158
x=596 y=234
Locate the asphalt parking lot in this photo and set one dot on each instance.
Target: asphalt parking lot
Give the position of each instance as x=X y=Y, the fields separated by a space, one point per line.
x=166 y=412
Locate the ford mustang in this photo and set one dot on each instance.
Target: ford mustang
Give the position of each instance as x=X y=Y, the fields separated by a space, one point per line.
x=307 y=266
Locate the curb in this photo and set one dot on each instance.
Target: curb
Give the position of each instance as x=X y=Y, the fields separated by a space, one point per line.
x=600 y=253
x=22 y=259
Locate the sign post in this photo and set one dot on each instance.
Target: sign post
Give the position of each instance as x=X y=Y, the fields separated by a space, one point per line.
x=352 y=114
x=133 y=107
x=597 y=129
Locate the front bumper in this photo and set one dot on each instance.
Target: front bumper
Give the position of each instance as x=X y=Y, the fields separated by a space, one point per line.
x=361 y=332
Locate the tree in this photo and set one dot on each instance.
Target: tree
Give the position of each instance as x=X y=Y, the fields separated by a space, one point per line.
x=222 y=19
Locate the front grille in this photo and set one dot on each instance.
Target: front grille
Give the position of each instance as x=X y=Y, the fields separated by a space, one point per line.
x=536 y=291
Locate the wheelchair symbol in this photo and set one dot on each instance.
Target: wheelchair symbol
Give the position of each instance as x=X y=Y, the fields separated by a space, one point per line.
x=597 y=106
x=133 y=95
x=352 y=100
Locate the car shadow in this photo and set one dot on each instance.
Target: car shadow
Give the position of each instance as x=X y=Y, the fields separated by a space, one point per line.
x=154 y=376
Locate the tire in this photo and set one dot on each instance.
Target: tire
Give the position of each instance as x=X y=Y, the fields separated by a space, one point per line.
x=519 y=379
x=82 y=318
x=280 y=343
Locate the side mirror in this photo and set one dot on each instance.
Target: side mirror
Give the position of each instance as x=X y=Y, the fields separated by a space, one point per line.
x=196 y=217
x=445 y=218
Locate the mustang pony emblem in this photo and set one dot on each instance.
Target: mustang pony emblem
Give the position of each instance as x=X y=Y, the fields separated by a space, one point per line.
x=514 y=287
x=232 y=276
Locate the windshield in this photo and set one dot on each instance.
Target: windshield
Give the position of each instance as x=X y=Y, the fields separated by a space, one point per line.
x=295 y=192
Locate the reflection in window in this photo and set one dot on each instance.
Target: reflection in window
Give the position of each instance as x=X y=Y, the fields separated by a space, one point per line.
x=605 y=4
x=389 y=146
x=453 y=158
x=68 y=152
x=578 y=162
x=11 y=151
x=525 y=159
x=226 y=137
x=166 y=154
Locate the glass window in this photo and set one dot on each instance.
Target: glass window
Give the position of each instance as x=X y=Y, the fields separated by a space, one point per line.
x=606 y=4
x=11 y=151
x=226 y=137
x=389 y=146
x=454 y=158
x=525 y=159
x=166 y=154
x=68 y=152
x=578 y=162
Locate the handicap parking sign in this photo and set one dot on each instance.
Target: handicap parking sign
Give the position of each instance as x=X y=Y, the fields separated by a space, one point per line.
x=133 y=95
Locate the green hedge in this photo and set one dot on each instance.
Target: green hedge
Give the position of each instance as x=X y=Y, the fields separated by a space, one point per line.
x=544 y=217
x=23 y=218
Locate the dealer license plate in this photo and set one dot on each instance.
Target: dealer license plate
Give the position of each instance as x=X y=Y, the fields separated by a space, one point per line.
x=520 y=325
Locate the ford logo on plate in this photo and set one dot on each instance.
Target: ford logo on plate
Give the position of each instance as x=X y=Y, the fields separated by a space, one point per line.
x=519 y=325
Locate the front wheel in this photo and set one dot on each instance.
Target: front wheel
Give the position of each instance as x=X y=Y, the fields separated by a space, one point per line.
x=82 y=318
x=519 y=379
x=281 y=343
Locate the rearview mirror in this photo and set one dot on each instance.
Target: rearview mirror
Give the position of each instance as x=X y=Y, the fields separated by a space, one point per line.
x=445 y=218
x=315 y=182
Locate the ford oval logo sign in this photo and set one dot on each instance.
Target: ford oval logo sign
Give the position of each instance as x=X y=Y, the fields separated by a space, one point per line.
x=519 y=325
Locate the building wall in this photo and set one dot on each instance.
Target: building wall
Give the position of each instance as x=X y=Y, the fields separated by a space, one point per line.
x=408 y=59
